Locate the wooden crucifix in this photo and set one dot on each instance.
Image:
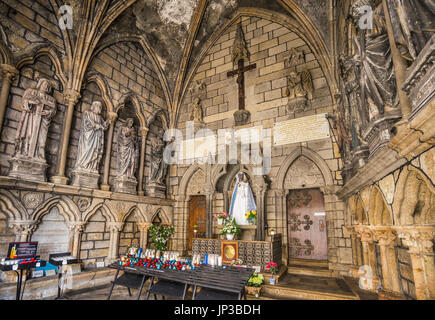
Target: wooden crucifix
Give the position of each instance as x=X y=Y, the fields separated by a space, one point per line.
x=240 y=72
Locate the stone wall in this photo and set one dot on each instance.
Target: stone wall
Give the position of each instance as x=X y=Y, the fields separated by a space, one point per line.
x=130 y=234
x=405 y=272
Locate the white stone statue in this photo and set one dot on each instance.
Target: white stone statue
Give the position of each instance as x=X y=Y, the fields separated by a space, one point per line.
x=242 y=200
x=91 y=142
x=127 y=150
x=38 y=110
x=158 y=167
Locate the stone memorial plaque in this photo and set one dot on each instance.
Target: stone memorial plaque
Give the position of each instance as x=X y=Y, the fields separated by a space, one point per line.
x=308 y=128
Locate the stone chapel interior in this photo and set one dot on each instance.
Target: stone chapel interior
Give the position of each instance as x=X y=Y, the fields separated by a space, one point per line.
x=341 y=92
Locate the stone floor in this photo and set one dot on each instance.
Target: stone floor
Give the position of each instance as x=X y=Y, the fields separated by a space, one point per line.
x=312 y=287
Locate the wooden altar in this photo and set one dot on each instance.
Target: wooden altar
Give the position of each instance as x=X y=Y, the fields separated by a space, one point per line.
x=252 y=253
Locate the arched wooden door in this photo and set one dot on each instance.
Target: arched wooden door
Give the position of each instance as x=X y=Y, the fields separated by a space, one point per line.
x=197 y=216
x=306 y=216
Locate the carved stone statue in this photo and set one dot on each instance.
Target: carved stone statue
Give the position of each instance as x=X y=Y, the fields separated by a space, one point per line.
x=299 y=90
x=413 y=24
x=240 y=50
x=377 y=73
x=38 y=110
x=39 y=107
x=91 y=145
x=127 y=150
x=196 y=114
x=127 y=160
x=158 y=167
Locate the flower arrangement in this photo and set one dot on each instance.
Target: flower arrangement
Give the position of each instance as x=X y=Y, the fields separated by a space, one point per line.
x=160 y=235
x=272 y=267
x=251 y=215
x=256 y=280
x=230 y=227
x=222 y=215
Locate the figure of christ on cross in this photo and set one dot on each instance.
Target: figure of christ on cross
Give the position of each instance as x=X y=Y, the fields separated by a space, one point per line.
x=240 y=72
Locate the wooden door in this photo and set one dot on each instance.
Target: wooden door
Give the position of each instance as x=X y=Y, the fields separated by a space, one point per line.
x=307 y=225
x=197 y=216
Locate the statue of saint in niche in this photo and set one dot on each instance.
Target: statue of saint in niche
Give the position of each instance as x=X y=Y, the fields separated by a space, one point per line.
x=91 y=142
x=196 y=114
x=39 y=107
x=127 y=150
x=158 y=166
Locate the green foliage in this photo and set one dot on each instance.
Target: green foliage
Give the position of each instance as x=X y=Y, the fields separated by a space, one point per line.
x=256 y=280
x=230 y=227
x=160 y=236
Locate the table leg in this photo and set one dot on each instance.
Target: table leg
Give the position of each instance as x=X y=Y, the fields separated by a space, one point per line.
x=113 y=284
x=59 y=279
x=194 y=292
x=184 y=292
x=19 y=277
x=149 y=288
x=141 y=286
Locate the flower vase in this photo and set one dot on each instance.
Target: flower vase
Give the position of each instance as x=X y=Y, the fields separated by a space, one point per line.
x=251 y=221
x=230 y=236
x=272 y=280
x=220 y=221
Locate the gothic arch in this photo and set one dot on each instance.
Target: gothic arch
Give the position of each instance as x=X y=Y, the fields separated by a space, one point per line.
x=10 y=205
x=65 y=205
x=106 y=93
x=162 y=214
x=217 y=173
x=357 y=210
x=140 y=215
x=233 y=172
x=187 y=177
x=311 y=155
x=6 y=56
x=379 y=211
x=32 y=52
x=414 y=200
x=162 y=115
x=134 y=99
x=105 y=211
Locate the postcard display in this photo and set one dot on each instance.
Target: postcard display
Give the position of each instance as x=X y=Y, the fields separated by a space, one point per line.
x=21 y=256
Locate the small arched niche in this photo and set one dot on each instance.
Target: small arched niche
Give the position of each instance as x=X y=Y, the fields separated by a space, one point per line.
x=379 y=213
x=130 y=233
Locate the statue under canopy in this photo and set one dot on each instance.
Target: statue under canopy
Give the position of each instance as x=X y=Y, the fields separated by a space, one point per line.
x=38 y=110
x=127 y=150
x=242 y=200
x=158 y=167
x=91 y=142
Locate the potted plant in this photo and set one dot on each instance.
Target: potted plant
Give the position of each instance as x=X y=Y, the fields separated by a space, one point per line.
x=273 y=268
x=160 y=236
x=253 y=287
x=220 y=217
x=251 y=216
x=230 y=229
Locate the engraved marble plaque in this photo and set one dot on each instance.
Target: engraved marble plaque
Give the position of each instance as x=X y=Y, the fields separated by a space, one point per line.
x=308 y=128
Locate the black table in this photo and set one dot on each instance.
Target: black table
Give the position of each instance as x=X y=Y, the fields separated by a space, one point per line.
x=19 y=272
x=59 y=263
x=223 y=283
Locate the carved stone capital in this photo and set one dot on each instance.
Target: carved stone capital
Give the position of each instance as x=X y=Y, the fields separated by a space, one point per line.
x=144 y=226
x=115 y=226
x=112 y=116
x=364 y=233
x=349 y=232
x=385 y=237
x=418 y=241
x=143 y=131
x=8 y=72
x=76 y=226
x=71 y=96
x=23 y=226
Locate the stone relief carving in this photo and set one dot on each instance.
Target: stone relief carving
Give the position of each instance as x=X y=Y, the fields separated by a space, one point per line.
x=196 y=113
x=39 y=107
x=300 y=86
x=196 y=183
x=91 y=144
x=32 y=200
x=303 y=173
x=240 y=49
x=83 y=203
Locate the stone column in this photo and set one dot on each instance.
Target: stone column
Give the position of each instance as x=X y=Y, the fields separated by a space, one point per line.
x=23 y=229
x=259 y=189
x=115 y=229
x=387 y=240
x=209 y=193
x=349 y=232
x=399 y=66
x=75 y=234
x=143 y=229
x=369 y=258
x=8 y=73
x=143 y=132
x=112 y=117
x=419 y=240
x=71 y=97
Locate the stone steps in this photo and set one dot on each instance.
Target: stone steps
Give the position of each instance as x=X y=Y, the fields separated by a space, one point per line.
x=310 y=271
x=277 y=292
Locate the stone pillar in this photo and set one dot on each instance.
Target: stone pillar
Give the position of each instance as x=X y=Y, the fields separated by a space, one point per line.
x=369 y=257
x=399 y=66
x=143 y=132
x=420 y=240
x=71 y=97
x=115 y=229
x=387 y=241
x=75 y=234
x=8 y=73
x=349 y=232
x=23 y=229
x=112 y=117
x=259 y=188
x=143 y=229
